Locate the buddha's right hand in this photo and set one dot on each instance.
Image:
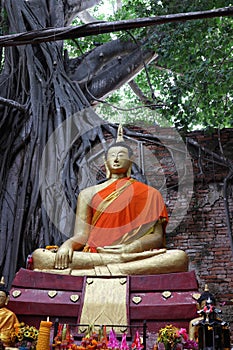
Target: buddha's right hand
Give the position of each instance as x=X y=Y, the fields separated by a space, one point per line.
x=63 y=258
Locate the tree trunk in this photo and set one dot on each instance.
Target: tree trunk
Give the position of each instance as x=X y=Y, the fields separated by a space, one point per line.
x=34 y=77
x=47 y=125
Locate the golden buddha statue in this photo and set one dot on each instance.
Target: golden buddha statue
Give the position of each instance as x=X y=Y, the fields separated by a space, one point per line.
x=7 y=317
x=119 y=229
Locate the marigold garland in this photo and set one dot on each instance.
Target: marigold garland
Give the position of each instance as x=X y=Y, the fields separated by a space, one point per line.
x=24 y=335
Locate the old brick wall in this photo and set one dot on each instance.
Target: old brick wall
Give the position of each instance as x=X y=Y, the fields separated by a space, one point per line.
x=203 y=231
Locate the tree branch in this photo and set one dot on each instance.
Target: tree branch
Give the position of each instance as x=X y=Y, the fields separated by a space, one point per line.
x=73 y=7
x=221 y=158
x=13 y=104
x=138 y=92
x=125 y=70
x=101 y=56
x=86 y=17
x=54 y=34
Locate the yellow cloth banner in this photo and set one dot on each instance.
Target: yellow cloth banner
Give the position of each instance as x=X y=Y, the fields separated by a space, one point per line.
x=105 y=302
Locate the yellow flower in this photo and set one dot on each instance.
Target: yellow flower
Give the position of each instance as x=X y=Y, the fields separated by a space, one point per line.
x=23 y=332
x=168 y=335
x=27 y=334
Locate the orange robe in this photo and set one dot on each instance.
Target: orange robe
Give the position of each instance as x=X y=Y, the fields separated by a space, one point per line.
x=7 y=321
x=123 y=218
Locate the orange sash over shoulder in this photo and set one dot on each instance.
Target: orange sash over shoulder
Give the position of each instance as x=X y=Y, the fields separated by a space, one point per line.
x=123 y=207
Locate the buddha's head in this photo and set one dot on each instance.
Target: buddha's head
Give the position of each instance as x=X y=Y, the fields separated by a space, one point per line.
x=4 y=297
x=118 y=160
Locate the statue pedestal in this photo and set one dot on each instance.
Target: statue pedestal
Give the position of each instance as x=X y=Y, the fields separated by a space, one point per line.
x=158 y=299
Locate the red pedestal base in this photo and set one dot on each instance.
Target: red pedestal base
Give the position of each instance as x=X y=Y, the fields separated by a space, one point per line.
x=36 y=295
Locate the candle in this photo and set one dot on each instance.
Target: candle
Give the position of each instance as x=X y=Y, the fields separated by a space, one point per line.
x=44 y=335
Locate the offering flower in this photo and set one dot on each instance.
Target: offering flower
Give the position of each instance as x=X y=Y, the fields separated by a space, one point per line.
x=174 y=338
x=24 y=335
x=183 y=333
x=124 y=345
x=136 y=345
x=113 y=343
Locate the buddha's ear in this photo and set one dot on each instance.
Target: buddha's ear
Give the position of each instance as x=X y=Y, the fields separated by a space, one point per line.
x=129 y=170
x=108 y=174
x=132 y=158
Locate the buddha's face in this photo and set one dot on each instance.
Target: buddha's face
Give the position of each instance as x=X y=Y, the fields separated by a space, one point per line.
x=118 y=160
x=3 y=299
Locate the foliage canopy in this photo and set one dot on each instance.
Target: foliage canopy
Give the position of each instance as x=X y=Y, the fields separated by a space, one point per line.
x=190 y=82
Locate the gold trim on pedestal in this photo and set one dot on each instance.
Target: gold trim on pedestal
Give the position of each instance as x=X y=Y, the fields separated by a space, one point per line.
x=136 y=299
x=74 y=298
x=16 y=293
x=196 y=296
x=167 y=294
x=52 y=293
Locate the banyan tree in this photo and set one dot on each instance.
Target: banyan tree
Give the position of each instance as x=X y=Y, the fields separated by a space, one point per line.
x=46 y=95
x=50 y=134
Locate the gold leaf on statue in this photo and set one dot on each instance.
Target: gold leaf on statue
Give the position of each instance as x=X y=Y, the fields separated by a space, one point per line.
x=196 y=296
x=166 y=294
x=136 y=299
x=74 y=298
x=16 y=293
x=52 y=293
